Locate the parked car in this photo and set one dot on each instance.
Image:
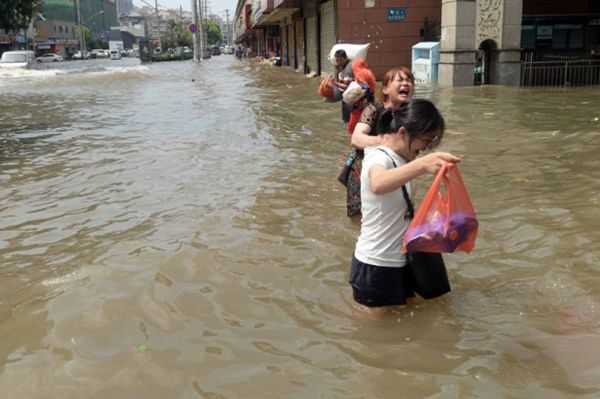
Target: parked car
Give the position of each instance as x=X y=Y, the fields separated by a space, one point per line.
x=49 y=57
x=99 y=53
x=228 y=49
x=77 y=55
x=214 y=50
x=115 y=54
x=17 y=59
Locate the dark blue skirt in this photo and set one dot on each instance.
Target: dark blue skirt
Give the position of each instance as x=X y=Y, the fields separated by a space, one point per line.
x=375 y=286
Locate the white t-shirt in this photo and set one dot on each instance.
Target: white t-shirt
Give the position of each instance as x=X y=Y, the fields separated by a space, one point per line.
x=383 y=222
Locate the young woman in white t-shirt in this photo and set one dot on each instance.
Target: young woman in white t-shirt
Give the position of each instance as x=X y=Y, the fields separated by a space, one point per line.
x=379 y=276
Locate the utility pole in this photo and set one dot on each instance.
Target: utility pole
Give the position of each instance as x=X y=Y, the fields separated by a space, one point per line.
x=201 y=30
x=204 y=30
x=195 y=33
x=81 y=34
x=157 y=24
x=227 y=27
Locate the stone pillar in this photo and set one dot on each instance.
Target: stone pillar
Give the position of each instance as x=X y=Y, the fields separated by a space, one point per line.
x=509 y=59
x=457 y=47
x=500 y=21
x=466 y=24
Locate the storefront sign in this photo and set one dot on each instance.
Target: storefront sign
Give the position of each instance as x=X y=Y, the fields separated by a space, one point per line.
x=20 y=39
x=396 y=14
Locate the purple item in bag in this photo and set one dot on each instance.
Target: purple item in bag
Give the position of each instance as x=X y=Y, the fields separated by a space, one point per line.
x=440 y=235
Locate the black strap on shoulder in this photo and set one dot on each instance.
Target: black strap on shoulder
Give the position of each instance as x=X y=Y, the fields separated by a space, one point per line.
x=409 y=204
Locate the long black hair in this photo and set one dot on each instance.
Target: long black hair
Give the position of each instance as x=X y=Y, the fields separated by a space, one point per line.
x=419 y=118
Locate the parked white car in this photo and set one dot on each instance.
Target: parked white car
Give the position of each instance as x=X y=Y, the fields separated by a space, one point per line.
x=17 y=59
x=49 y=57
x=115 y=54
x=77 y=55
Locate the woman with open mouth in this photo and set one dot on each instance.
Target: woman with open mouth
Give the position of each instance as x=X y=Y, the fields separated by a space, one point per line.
x=398 y=87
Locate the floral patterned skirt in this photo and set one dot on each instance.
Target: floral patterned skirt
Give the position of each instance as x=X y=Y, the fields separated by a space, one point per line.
x=353 y=203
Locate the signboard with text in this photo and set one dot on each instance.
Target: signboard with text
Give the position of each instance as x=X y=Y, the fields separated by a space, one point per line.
x=396 y=14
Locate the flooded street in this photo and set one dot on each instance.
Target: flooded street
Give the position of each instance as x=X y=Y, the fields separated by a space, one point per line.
x=175 y=230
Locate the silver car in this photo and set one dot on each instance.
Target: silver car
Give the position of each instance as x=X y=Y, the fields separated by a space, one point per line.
x=49 y=57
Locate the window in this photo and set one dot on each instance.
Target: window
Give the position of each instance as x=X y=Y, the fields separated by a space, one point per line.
x=528 y=36
x=576 y=38
x=559 y=38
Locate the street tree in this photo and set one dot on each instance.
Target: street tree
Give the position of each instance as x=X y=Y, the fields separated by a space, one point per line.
x=176 y=34
x=16 y=14
x=214 y=35
x=90 y=42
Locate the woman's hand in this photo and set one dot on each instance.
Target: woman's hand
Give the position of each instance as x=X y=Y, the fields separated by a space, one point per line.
x=432 y=163
x=341 y=85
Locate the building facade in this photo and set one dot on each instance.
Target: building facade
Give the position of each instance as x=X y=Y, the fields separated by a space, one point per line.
x=54 y=29
x=303 y=32
x=498 y=41
x=481 y=41
x=57 y=31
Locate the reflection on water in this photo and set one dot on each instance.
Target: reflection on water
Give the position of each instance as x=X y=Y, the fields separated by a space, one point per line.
x=176 y=230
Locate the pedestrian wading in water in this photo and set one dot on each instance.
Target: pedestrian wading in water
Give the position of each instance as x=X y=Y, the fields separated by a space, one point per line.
x=380 y=274
x=398 y=87
x=343 y=77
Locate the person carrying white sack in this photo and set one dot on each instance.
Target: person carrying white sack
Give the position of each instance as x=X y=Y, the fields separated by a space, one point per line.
x=343 y=77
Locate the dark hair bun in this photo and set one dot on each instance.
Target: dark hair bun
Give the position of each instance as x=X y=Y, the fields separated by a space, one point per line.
x=385 y=121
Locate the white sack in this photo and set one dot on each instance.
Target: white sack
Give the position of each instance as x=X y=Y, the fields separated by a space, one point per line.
x=353 y=93
x=353 y=51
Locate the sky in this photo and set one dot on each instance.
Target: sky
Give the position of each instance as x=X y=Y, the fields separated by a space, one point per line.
x=216 y=6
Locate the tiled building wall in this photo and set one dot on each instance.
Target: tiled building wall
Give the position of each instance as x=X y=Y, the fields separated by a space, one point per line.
x=391 y=42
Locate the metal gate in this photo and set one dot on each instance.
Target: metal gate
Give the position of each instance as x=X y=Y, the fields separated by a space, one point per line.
x=327 y=35
x=560 y=73
x=311 y=44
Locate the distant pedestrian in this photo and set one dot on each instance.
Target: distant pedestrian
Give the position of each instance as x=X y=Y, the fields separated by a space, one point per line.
x=343 y=77
x=380 y=276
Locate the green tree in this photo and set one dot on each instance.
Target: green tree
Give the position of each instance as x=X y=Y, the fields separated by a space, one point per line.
x=176 y=34
x=16 y=14
x=90 y=42
x=214 y=35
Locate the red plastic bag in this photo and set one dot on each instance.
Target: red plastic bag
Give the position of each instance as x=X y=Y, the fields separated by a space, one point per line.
x=326 y=87
x=446 y=220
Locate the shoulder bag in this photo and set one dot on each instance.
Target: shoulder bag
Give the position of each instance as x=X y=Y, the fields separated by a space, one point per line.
x=428 y=268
